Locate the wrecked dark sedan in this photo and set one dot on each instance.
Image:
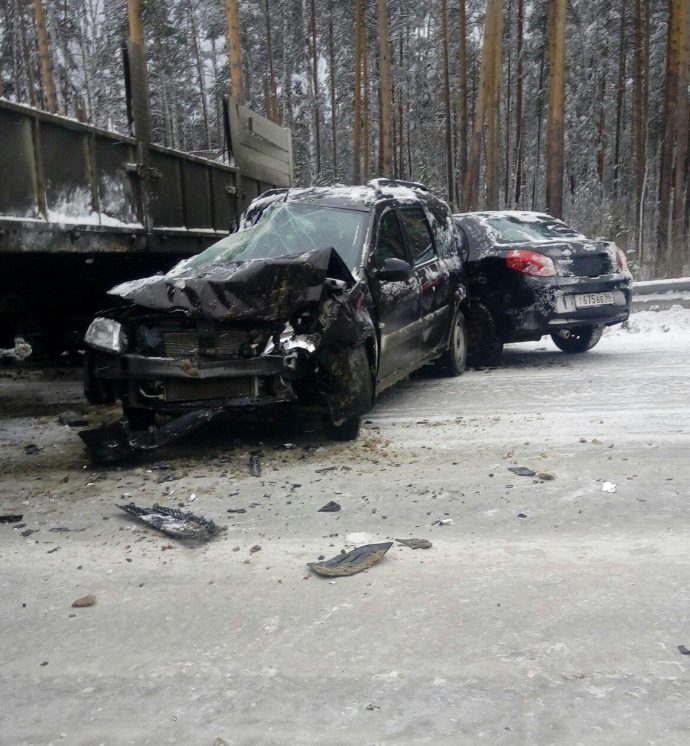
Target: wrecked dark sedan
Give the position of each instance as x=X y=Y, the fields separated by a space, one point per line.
x=324 y=297
x=531 y=275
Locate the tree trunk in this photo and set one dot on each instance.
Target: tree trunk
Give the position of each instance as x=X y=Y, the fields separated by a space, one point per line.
x=272 y=96
x=492 y=130
x=639 y=119
x=462 y=93
x=678 y=248
x=446 y=102
x=493 y=12
x=676 y=53
x=315 y=83
x=200 y=75
x=518 y=103
x=620 y=98
x=601 y=152
x=357 y=99
x=286 y=92
x=385 y=91
x=508 y=111
x=366 y=108
x=235 y=47
x=334 y=100
x=47 y=81
x=26 y=55
x=540 y=116
x=555 y=126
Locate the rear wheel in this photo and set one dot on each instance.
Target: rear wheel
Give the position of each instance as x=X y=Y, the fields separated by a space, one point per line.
x=581 y=339
x=454 y=359
x=348 y=430
x=485 y=344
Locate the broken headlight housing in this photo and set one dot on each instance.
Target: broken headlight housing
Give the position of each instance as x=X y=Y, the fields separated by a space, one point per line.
x=106 y=335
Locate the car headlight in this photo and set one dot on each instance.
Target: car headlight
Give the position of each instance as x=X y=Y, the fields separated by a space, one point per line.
x=107 y=335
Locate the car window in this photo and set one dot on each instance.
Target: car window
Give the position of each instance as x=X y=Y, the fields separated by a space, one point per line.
x=286 y=228
x=442 y=226
x=389 y=243
x=516 y=228
x=418 y=234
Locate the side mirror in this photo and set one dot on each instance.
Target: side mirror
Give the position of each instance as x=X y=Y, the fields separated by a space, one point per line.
x=394 y=270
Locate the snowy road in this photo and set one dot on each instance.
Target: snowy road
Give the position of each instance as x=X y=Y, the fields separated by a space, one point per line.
x=550 y=612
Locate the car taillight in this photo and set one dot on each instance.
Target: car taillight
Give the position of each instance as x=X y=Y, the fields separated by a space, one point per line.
x=622 y=260
x=531 y=263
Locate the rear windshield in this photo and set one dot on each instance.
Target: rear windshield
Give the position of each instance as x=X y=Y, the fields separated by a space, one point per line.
x=290 y=228
x=518 y=228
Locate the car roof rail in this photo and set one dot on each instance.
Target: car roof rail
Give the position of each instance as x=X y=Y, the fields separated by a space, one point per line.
x=382 y=182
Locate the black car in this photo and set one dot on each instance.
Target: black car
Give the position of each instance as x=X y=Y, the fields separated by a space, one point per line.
x=531 y=275
x=324 y=297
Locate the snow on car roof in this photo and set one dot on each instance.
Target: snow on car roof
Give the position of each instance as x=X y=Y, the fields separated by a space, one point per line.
x=358 y=197
x=523 y=215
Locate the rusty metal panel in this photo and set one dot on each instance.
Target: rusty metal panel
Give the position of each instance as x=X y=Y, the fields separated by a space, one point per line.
x=226 y=211
x=117 y=192
x=64 y=154
x=166 y=190
x=197 y=191
x=17 y=167
x=262 y=149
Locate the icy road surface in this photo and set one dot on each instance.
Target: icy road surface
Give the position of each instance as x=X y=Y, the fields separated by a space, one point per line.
x=549 y=612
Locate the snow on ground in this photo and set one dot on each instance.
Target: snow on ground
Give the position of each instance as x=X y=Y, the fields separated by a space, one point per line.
x=644 y=330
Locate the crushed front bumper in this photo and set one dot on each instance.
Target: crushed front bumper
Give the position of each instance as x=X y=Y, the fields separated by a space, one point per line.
x=174 y=385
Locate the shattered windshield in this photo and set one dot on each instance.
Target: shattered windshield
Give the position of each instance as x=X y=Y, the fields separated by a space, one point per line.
x=518 y=228
x=290 y=228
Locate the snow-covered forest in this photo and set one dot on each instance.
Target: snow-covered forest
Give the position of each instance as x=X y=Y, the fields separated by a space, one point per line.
x=415 y=90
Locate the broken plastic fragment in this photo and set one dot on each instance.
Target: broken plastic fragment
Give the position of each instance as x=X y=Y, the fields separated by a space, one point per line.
x=10 y=518
x=416 y=543
x=255 y=466
x=608 y=487
x=361 y=558
x=173 y=522
x=115 y=442
x=522 y=471
x=329 y=507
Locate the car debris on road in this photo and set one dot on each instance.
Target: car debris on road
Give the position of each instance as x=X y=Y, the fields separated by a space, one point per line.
x=416 y=543
x=329 y=507
x=350 y=563
x=175 y=523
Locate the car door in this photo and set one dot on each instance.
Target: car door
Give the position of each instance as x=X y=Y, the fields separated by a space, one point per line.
x=434 y=280
x=398 y=303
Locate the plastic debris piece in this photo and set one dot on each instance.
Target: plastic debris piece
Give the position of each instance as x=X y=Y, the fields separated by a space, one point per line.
x=609 y=487
x=350 y=563
x=10 y=518
x=116 y=442
x=31 y=449
x=547 y=476
x=443 y=522
x=416 y=543
x=522 y=471
x=84 y=601
x=255 y=466
x=522 y=515
x=237 y=510
x=330 y=507
x=175 y=523
x=683 y=650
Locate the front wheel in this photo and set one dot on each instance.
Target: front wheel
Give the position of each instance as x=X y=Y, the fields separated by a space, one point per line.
x=578 y=340
x=454 y=359
x=348 y=430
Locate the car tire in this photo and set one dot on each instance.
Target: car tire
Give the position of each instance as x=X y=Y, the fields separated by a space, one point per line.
x=581 y=339
x=485 y=345
x=454 y=359
x=139 y=419
x=348 y=430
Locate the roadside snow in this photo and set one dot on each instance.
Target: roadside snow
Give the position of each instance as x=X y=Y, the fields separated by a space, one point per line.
x=651 y=329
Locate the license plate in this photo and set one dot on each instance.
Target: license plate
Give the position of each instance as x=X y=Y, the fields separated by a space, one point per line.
x=587 y=300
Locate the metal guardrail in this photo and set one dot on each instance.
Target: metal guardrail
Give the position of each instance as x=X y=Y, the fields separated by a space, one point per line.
x=659 y=295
